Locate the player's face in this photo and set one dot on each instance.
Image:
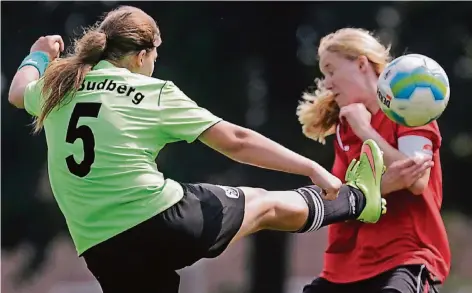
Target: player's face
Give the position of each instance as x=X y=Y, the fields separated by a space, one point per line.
x=344 y=77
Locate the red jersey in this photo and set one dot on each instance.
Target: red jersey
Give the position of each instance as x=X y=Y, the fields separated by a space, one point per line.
x=412 y=231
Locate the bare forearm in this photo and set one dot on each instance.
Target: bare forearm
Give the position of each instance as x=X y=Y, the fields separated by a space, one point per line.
x=257 y=150
x=18 y=85
x=249 y=147
x=392 y=155
x=386 y=188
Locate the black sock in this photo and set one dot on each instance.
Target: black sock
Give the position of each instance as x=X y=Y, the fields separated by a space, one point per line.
x=347 y=206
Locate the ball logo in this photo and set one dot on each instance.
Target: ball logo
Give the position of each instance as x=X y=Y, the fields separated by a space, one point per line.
x=384 y=99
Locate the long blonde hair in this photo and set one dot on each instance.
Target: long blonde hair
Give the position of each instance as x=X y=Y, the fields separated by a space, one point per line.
x=318 y=112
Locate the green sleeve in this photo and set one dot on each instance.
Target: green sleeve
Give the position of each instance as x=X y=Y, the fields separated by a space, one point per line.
x=180 y=117
x=32 y=98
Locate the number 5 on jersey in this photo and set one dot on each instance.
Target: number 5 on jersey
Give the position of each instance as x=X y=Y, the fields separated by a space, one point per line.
x=84 y=133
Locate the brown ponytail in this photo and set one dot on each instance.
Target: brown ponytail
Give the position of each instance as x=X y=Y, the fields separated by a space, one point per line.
x=123 y=31
x=64 y=76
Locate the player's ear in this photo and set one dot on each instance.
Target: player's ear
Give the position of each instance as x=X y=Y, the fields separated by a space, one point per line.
x=363 y=63
x=140 y=58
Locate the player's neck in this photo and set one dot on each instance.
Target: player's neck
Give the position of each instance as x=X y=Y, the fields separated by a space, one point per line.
x=119 y=63
x=372 y=107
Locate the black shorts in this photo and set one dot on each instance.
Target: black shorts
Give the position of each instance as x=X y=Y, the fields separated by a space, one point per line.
x=403 y=279
x=145 y=257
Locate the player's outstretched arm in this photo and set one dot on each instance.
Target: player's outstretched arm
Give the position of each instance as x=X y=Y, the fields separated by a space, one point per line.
x=44 y=50
x=247 y=146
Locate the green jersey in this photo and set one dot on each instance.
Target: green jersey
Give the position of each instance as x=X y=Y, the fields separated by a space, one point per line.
x=102 y=147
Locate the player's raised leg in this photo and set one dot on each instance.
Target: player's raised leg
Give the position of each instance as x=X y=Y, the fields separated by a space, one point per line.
x=305 y=210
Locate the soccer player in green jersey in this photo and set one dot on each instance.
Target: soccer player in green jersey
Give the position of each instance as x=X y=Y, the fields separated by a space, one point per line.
x=106 y=119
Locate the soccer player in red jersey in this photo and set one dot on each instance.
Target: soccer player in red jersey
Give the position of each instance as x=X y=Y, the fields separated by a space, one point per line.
x=407 y=250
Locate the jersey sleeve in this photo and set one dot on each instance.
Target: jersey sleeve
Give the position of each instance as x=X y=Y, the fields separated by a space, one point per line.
x=32 y=98
x=180 y=117
x=423 y=139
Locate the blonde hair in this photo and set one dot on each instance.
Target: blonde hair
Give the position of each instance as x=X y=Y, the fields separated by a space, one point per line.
x=318 y=112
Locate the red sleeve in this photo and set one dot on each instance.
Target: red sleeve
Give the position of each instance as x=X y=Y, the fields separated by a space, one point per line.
x=429 y=131
x=340 y=162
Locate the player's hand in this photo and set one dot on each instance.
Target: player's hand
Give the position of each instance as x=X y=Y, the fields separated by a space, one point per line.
x=52 y=45
x=332 y=192
x=404 y=173
x=357 y=116
x=329 y=183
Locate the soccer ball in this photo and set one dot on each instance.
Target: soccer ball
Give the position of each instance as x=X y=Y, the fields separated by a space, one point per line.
x=413 y=90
